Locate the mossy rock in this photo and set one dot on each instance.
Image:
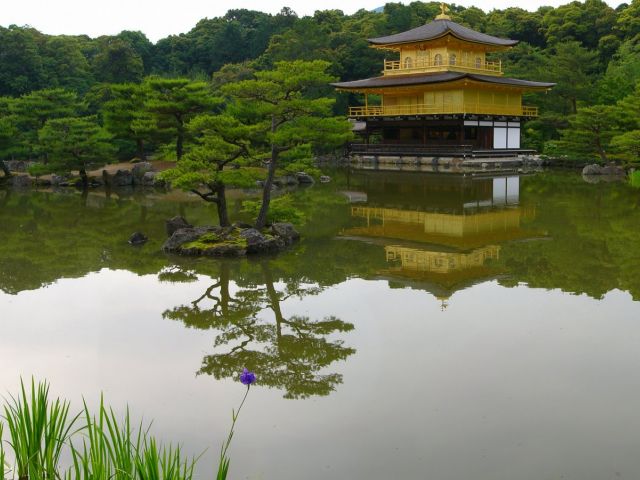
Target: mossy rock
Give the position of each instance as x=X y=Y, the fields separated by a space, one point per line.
x=208 y=238
x=207 y=242
x=224 y=242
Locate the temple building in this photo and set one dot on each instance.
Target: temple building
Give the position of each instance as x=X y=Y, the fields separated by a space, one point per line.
x=442 y=94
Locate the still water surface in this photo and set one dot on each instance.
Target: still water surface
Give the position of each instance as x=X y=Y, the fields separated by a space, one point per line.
x=427 y=326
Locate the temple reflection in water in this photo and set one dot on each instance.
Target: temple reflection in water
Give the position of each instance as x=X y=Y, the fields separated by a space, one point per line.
x=440 y=233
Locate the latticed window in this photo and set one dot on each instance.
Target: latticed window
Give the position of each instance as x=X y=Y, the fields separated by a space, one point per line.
x=423 y=58
x=452 y=59
x=437 y=59
x=478 y=62
x=408 y=62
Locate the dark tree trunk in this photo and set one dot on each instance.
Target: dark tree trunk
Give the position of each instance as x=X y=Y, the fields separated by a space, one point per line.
x=223 y=214
x=5 y=169
x=261 y=221
x=601 y=152
x=84 y=178
x=179 y=146
x=180 y=140
x=140 y=149
x=603 y=155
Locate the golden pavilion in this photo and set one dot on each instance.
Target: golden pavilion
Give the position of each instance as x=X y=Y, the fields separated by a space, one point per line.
x=441 y=95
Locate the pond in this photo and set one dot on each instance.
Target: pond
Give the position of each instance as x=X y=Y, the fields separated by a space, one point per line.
x=427 y=326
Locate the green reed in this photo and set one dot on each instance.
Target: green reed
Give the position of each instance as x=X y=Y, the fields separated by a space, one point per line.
x=106 y=448
x=38 y=429
x=3 y=459
x=113 y=450
x=162 y=463
x=634 y=178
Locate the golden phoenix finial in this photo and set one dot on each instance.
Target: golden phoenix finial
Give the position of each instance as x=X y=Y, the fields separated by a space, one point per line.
x=443 y=12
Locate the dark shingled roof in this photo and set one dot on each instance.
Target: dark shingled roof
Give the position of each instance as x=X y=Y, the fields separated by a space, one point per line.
x=438 y=28
x=427 y=78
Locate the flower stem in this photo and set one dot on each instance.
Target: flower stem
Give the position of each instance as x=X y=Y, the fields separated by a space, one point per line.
x=223 y=464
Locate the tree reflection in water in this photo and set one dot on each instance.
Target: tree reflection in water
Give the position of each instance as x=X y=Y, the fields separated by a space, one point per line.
x=289 y=353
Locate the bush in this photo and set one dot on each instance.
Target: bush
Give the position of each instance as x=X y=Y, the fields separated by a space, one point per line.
x=39 y=169
x=281 y=209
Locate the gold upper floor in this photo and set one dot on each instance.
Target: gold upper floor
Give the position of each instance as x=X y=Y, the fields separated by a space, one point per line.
x=442 y=55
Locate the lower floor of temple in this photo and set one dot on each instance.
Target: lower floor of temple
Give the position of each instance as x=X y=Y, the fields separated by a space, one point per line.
x=438 y=134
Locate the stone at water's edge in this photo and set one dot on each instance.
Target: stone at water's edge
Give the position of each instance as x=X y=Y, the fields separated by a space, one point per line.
x=182 y=236
x=591 y=169
x=258 y=243
x=613 y=169
x=21 y=181
x=229 y=241
x=138 y=238
x=287 y=180
x=286 y=232
x=20 y=166
x=176 y=223
x=304 y=178
x=56 y=180
x=122 y=178
x=151 y=179
x=596 y=169
x=140 y=169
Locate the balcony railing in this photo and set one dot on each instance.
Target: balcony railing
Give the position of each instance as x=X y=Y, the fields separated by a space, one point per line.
x=398 y=67
x=444 y=108
x=410 y=149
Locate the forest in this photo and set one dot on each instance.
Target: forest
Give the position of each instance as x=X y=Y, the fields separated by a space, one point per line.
x=108 y=90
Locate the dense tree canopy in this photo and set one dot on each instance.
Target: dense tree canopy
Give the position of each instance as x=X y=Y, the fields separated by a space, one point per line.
x=591 y=50
x=74 y=142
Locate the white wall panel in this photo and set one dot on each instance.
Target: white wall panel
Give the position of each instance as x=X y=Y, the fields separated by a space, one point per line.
x=499 y=137
x=514 y=138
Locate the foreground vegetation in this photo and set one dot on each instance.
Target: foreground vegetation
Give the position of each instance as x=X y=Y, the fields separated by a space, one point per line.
x=41 y=431
x=128 y=97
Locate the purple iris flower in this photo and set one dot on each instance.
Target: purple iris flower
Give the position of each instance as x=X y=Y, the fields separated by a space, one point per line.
x=247 y=377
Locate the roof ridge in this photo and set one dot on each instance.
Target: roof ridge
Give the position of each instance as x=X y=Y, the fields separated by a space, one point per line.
x=438 y=77
x=437 y=28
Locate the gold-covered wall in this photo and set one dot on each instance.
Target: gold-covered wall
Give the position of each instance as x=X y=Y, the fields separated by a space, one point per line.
x=444 y=54
x=448 y=98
